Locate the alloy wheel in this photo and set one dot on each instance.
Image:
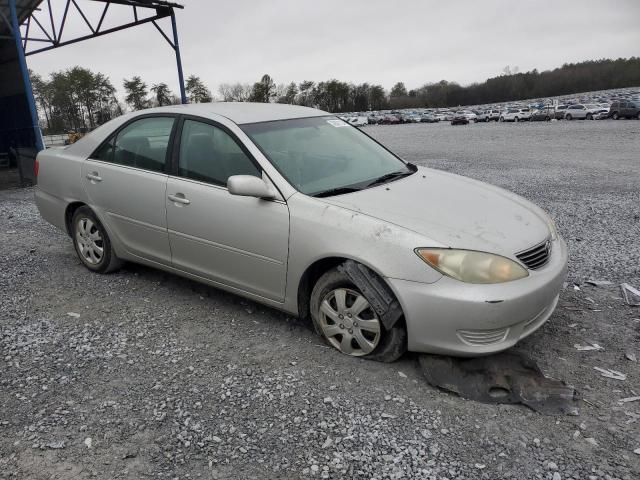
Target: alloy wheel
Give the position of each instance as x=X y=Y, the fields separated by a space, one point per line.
x=349 y=323
x=90 y=241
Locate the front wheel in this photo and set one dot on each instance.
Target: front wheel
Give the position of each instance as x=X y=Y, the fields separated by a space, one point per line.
x=615 y=116
x=568 y=116
x=91 y=242
x=346 y=320
x=589 y=116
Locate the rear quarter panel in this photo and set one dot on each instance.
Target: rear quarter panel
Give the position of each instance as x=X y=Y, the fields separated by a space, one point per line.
x=59 y=184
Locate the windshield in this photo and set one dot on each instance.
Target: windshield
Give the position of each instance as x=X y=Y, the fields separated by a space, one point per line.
x=321 y=154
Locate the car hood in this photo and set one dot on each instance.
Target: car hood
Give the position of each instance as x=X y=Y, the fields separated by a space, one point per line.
x=453 y=211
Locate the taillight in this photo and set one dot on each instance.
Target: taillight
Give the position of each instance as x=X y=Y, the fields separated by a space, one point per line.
x=36 y=168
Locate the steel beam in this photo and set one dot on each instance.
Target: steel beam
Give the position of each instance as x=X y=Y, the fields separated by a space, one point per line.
x=97 y=34
x=28 y=90
x=176 y=47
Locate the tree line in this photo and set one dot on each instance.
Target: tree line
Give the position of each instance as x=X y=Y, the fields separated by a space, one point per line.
x=512 y=85
x=78 y=97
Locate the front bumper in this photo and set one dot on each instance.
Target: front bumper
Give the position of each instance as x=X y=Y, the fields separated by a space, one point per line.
x=455 y=318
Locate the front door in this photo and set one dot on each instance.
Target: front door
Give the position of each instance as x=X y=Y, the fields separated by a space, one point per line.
x=241 y=242
x=126 y=181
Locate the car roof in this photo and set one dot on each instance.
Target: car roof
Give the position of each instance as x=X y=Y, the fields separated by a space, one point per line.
x=242 y=112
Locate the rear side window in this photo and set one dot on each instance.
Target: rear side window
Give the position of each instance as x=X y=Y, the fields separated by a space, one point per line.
x=209 y=154
x=141 y=144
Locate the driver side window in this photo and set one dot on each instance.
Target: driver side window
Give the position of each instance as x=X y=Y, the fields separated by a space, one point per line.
x=209 y=154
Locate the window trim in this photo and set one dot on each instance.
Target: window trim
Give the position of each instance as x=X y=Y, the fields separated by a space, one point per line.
x=175 y=154
x=114 y=135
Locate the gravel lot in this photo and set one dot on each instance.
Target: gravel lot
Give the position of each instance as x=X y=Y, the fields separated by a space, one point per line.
x=142 y=374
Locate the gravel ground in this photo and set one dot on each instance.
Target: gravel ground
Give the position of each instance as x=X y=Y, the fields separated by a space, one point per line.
x=142 y=374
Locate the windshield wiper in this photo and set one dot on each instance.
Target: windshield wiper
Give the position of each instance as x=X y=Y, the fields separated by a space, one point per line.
x=390 y=176
x=336 y=191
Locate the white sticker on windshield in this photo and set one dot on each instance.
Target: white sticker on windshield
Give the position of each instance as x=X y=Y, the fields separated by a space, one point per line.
x=337 y=123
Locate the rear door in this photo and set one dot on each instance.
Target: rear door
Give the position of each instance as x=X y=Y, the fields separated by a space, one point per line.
x=126 y=180
x=241 y=242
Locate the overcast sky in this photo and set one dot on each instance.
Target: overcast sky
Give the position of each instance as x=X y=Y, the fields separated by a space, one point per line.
x=377 y=41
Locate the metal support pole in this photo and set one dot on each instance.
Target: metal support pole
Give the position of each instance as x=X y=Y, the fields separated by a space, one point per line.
x=176 y=47
x=28 y=91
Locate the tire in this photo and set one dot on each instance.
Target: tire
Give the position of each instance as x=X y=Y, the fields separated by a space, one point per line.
x=638 y=116
x=568 y=116
x=547 y=118
x=589 y=116
x=615 y=116
x=91 y=242
x=516 y=119
x=379 y=344
x=501 y=119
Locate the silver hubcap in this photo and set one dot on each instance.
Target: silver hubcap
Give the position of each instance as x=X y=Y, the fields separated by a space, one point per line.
x=89 y=240
x=349 y=323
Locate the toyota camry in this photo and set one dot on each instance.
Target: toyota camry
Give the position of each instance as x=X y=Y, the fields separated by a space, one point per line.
x=294 y=208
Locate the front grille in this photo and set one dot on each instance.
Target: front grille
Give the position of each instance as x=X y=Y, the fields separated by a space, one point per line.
x=537 y=256
x=483 y=337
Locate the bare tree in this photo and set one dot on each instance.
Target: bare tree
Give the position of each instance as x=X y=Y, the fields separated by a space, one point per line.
x=235 y=92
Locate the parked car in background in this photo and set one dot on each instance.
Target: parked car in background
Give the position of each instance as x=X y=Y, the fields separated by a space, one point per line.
x=448 y=115
x=373 y=118
x=472 y=117
x=582 y=112
x=625 y=109
x=389 y=120
x=460 y=118
x=515 y=114
x=260 y=200
x=492 y=115
x=560 y=111
x=429 y=118
x=541 y=115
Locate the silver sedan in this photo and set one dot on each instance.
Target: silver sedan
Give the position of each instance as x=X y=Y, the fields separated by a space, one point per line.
x=296 y=209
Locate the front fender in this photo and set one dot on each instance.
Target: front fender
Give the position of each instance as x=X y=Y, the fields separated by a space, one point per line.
x=319 y=230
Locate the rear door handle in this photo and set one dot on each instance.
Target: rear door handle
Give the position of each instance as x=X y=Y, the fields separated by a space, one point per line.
x=179 y=198
x=94 y=177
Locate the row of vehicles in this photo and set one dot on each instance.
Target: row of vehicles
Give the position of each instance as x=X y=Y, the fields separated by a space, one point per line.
x=517 y=113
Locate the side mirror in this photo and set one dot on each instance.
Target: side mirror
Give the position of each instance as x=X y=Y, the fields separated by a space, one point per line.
x=249 y=186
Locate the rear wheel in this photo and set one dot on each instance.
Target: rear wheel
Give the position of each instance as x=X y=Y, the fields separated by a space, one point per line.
x=516 y=119
x=347 y=321
x=615 y=115
x=92 y=243
x=589 y=116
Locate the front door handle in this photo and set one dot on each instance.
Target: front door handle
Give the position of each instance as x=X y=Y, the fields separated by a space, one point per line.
x=94 y=177
x=179 y=198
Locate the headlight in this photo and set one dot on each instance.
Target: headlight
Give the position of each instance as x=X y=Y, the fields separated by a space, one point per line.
x=472 y=267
